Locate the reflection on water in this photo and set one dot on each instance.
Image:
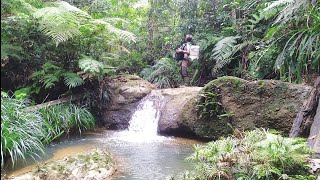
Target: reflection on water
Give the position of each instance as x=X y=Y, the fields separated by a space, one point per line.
x=155 y=158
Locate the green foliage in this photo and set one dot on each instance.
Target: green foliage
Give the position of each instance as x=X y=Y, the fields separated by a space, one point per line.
x=209 y=106
x=256 y=154
x=165 y=73
x=10 y=50
x=94 y=67
x=24 y=132
x=262 y=62
x=21 y=131
x=51 y=74
x=59 y=119
x=61 y=21
x=223 y=51
x=300 y=54
x=22 y=93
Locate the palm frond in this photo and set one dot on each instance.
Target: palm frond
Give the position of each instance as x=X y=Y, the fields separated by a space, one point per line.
x=223 y=50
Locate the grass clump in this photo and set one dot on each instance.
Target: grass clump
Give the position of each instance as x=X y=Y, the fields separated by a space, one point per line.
x=60 y=119
x=21 y=131
x=24 y=133
x=256 y=154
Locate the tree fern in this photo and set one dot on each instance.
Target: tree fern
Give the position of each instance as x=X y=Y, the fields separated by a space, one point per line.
x=51 y=74
x=61 y=21
x=72 y=79
x=223 y=51
x=11 y=50
x=128 y=36
x=94 y=67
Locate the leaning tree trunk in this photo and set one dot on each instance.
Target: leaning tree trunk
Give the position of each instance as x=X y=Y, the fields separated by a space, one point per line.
x=314 y=137
x=305 y=117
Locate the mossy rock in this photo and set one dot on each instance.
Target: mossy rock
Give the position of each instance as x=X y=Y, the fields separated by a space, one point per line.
x=95 y=164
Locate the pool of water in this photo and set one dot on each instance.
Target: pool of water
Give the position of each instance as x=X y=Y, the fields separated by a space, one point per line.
x=137 y=156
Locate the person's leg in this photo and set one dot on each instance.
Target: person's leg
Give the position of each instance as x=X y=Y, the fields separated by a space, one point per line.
x=184 y=72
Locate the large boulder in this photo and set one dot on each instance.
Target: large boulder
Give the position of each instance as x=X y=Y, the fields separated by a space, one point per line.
x=223 y=105
x=231 y=103
x=174 y=103
x=126 y=91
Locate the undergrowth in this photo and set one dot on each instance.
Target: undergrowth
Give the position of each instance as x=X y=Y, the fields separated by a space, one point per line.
x=257 y=154
x=24 y=133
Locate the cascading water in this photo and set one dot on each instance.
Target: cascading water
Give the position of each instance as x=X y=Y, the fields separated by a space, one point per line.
x=145 y=119
x=143 y=125
x=140 y=152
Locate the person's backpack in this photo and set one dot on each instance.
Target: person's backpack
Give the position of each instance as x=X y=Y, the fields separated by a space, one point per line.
x=194 y=52
x=180 y=56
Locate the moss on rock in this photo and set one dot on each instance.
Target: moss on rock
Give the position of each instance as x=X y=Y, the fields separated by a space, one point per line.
x=95 y=164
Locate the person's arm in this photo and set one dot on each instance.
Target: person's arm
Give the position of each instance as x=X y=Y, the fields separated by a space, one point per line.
x=179 y=50
x=187 y=51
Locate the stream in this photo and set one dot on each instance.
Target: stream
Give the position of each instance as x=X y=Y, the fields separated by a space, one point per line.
x=139 y=152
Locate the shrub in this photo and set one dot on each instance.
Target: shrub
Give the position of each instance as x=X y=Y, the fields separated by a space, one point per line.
x=256 y=154
x=165 y=73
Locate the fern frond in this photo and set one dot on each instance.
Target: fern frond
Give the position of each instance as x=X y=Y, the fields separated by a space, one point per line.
x=11 y=50
x=72 y=79
x=88 y=64
x=290 y=8
x=61 y=22
x=126 y=35
x=223 y=50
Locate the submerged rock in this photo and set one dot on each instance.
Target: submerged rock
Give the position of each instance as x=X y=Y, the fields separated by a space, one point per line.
x=93 y=165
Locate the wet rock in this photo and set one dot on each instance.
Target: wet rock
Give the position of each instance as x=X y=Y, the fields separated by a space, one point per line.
x=96 y=164
x=126 y=91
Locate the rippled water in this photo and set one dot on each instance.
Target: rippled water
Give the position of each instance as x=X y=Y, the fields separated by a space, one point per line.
x=155 y=158
x=139 y=152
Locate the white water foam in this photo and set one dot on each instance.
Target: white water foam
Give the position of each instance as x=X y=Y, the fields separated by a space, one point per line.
x=143 y=126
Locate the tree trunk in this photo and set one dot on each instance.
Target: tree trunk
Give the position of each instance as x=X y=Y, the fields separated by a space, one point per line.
x=305 y=117
x=314 y=137
x=54 y=102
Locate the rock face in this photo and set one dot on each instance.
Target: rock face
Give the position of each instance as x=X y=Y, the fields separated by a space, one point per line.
x=216 y=110
x=235 y=103
x=126 y=91
x=265 y=103
x=174 y=110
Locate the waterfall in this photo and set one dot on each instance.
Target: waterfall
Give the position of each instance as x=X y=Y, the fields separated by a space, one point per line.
x=145 y=119
x=143 y=125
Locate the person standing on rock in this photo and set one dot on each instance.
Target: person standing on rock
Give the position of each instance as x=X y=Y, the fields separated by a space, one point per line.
x=184 y=63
